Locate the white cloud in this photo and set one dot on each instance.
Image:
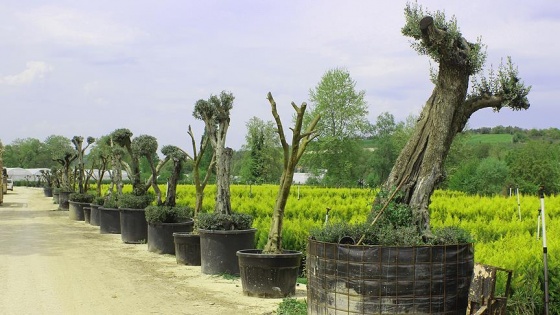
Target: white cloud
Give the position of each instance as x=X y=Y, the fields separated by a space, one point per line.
x=34 y=70
x=75 y=27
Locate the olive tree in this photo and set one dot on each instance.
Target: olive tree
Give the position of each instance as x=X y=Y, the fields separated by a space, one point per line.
x=80 y=151
x=419 y=167
x=292 y=154
x=215 y=112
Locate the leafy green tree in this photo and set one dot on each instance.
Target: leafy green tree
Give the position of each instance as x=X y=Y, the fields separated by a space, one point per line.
x=535 y=163
x=261 y=162
x=27 y=153
x=344 y=122
x=386 y=148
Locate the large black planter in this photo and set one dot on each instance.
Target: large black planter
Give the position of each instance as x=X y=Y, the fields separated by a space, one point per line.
x=187 y=248
x=94 y=216
x=48 y=191
x=352 y=279
x=63 y=198
x=160 y=236
x=268 y=275
x=134 y=228
x=218 y=249
x=87 y=214
x=109 y=221
x=76 y=210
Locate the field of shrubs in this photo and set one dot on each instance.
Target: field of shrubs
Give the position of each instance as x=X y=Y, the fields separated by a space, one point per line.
x=501 y=238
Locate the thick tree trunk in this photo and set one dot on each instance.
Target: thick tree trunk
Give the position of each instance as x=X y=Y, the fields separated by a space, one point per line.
x=419 y=167
x=171 y=196
x=223 y=203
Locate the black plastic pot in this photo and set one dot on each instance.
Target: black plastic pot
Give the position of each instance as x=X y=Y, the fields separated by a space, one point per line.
x=76 y=210
x=218 y=249
x=355 y=279
x=268 y=275
x=48 y=191
x=187 y=248
x=55 y=197
x=87 y=214
x=109 y=221
x=63 y=198
x=94 y=217
x=160 y=236
x=134 y=228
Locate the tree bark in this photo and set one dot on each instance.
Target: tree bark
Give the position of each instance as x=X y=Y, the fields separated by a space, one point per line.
x=419 y=167
x=223 y=202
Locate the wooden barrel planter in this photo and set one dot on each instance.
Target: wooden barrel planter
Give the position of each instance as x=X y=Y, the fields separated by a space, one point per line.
x=355 y=279
x=76 y=210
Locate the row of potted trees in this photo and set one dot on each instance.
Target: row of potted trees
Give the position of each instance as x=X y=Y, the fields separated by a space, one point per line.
x=344 y=273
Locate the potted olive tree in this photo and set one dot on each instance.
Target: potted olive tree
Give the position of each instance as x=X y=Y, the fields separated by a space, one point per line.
x=166 y=218
x=222 y=232
x=395 y=263
x=134 y=227
x=187 y=244
x=65 y=156
x=272 y=272
x=80 y=200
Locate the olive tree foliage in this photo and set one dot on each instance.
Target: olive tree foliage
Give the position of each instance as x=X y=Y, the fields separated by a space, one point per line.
x=78 y=143
x=62 y=153
x=292 y=153
x=141 y=146
x=344 y=123
x=99 y=158
x=419 y=167
x=215 y=113
x=261 y=161
x=146 y=146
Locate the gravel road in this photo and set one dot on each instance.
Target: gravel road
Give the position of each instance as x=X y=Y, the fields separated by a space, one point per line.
x=50 y=264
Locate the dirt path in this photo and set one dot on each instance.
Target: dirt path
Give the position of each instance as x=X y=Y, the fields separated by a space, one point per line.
x=50 y=264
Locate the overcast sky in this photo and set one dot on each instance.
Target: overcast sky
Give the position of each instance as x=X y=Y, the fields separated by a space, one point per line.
x=89 y=67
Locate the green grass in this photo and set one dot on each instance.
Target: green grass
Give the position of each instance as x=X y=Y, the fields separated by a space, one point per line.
x=489 y=138
x=291 y=306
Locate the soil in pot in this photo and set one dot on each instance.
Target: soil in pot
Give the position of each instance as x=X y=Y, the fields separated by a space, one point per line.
x=269 y=275
x=218 y=249
x=109 y=221
x=160 y=236
x=134 y=228
x=187 y=248
x=76 y=210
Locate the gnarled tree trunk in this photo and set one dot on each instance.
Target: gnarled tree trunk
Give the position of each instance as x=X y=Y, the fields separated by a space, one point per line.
x=419 y=168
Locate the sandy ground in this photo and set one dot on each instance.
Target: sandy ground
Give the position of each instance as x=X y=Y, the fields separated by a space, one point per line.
x=50 y=264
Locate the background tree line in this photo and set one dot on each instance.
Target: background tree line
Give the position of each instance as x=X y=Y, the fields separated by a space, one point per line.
x=351 y=151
